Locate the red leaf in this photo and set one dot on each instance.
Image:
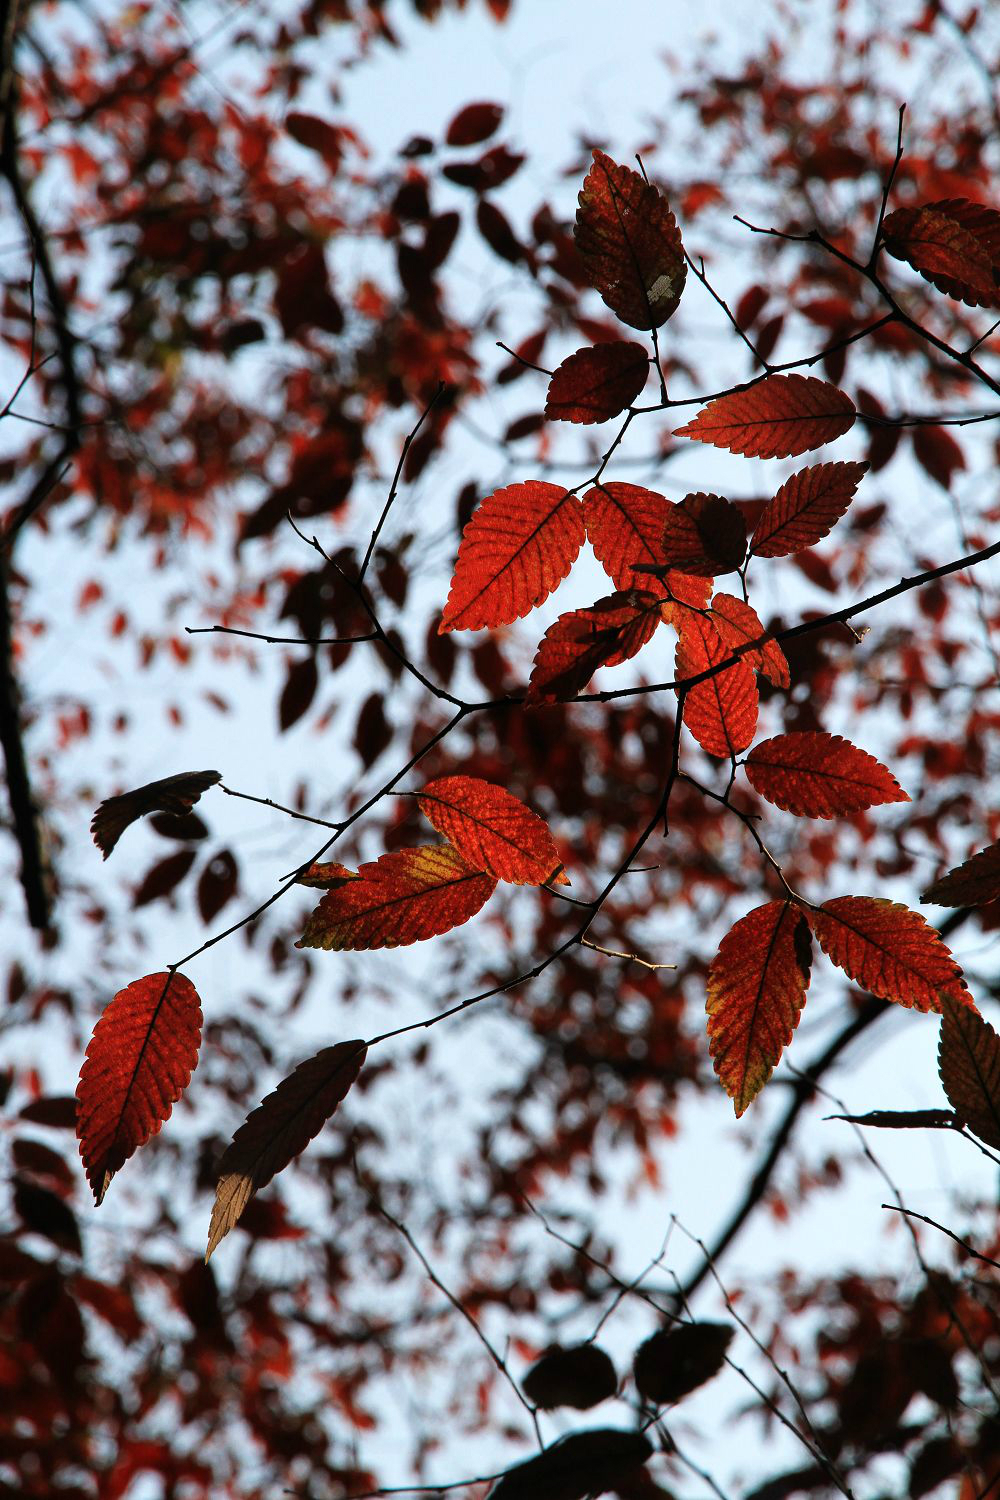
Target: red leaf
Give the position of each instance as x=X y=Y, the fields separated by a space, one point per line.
x=816 y=775
x=757 y=987
x=518 y=547
x=317 y=135
x=174 y=794
x=738 y=623
x=722 y=712
x=163 y=877
x=805 y=509
x=474 y=123
x=974 y=883
x=492 y=169
x=704 y=535
x=279 y=1128
x=327 y=877
x=401 y=898
x=889 y=951
x=298 y=692
x=777 y=418
x=938 y=453
x=140 y=1059
x=969 y=1066
x=954 y=244
x=492 y=830
x=594 y=385
x=217 y=884
x=630 y=244
x=608 y=633
x=625 y=528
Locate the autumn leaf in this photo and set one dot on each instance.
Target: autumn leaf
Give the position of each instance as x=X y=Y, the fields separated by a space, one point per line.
x=672 y=1363
x=327 y=877
x=280 y=1128
x=721 y=713
x=737 y=623
x=805 y=509
x=969 y=1066
x=139 y=1061
x=779 y=417
x=474 y=123
x=594 y=385
x=518 y=547
x=404 y=897
x=492 y=830
x=954 y=244
x=625 y=525
x=972 y=884
x=604 y=635
x=630 y=244
x=578 y=1375
x=889 y=951
x=579 y=1464
x=757 y=987
x=817 y=775
x=174 y=794
x=704 y=535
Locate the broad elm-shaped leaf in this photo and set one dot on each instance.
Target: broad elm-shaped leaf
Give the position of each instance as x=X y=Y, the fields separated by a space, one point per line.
x=889 y=951
x=594 y=385
x=139 y=1061
x=678 y=1360
x=579 y=1464
x=704 y=535
x=805 y=509
x=972 y=884
x=518 y=547
x=492 y=830
x=737 y=623
x=625 y=528
x=969 y=1065
x=954 y=244
x=577 y=1375
x=401 y=898
x=174 y=794
x=817 y=775
x=604 y=635
x=279 y=1128
x=721 y=712
x=757 y=987
x=630 y=244
x=777 y=418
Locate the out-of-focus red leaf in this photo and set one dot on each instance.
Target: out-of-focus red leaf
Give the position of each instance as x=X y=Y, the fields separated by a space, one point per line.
x=738 y=623
x=704 y=535
x=492 y=830
x=58 y=1111
x=889 y=951
x=318 y=135
x=474 y=123
x=45 y=1213
x=518 y=547
x=938 y=453
x=163 y=877
x=757 y=987
x=495 y=228
x=973 y=883
x=817 y=775
x=806 y=508
x=298 y=691
x=327 y=877
x=493 y=168
x=954 y=244
x=217 y=884
x=577 y=1375
x=777 y=418
x=139 y=1061
x=721 y=713
x=173 y=794
x=603 y=635
x=969 y=1065
x=401 y=898
x=279 y=1128
x=594 y=385
x=625 y=528
x=373 y=732
x=677 y=1360
x=630 y=244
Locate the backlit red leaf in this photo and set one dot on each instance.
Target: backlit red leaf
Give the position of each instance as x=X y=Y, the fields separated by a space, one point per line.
x=327 y=877
x=721 y=713
x=738 y=623
x=625 y=528
x=704 y=535
x=971 y=884
x=805 y=508
x=777 y=418
x=279 y=1128
x=174 y=794
x=518 y=547
x=969 y=1065
x=139 y=1061
x=817 y=775
x=492 y=830
x=630 y=244
x=938 y=453
x=757 y=987
x=889 y=951
x=401 y=898
x=604 y=635
x=954 y=244
x=596 y=384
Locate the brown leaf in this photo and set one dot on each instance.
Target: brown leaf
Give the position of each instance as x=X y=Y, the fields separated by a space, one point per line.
x=174 y=794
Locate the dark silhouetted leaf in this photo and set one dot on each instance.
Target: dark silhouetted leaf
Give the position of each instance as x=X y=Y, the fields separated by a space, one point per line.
x=678 y=1360
x=969 y=1065
x=577 y=1375
x=972 y=884
x=174 y=794
x=580 y=1464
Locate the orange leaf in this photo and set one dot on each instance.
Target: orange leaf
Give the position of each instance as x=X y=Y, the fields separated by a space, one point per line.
x=971 y=884
x=954 y=244
x=608 y=633
x=721 y=713
x=969 y=1066
x=630 y=244
x=174 y=794
x=625 y=528
x=889 y=951
x=777 y=418
x=817 y=775
x=326 y=877
x=492 y=830
x=594 y=385
x=757 y=987
x=518 y=547
x=738 y=623
x=140 y=1059
x=401 y=898
x=704 y=535
x=279 y=1128
x=805 y=509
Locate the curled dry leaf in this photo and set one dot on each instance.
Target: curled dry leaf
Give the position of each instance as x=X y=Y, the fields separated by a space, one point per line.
x=594 y=385
x=817 y=775
x=779 y=417
x=174 y=794
x=974 y=883
x=889 y=951
x=577 y=1375
x=492 y=830
x=677 y=1360
x=969 y=1065
x=630 y=244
